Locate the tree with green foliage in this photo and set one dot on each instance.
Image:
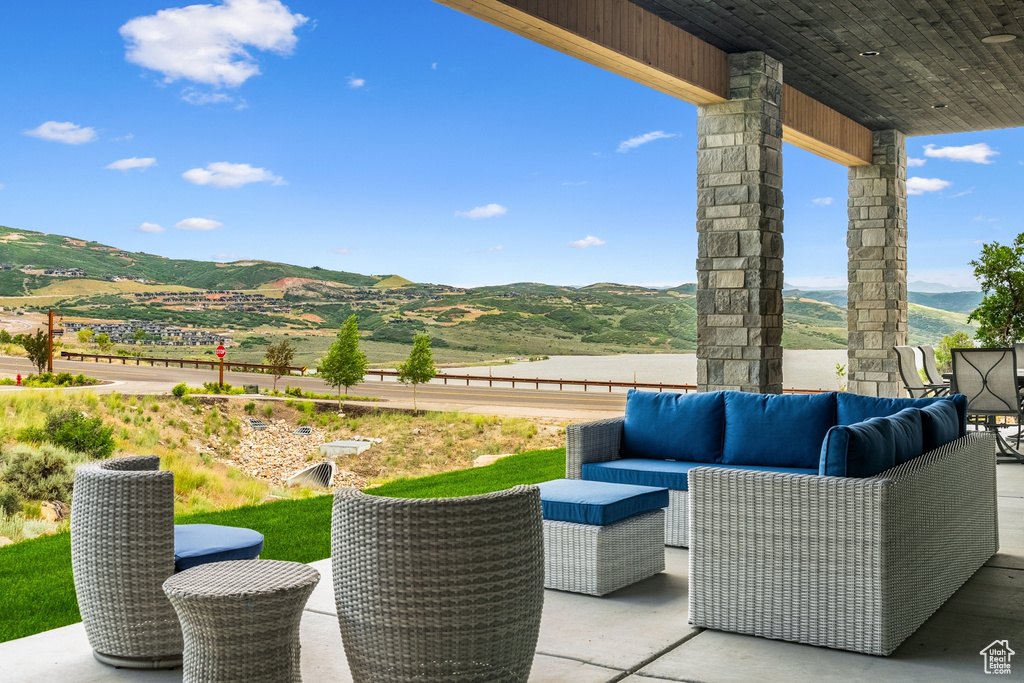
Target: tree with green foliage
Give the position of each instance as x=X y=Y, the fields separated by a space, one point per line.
x=37 y=349
x=1000 y=271
x=418 y=368
x=279 y=357
x=140 y=335
x=344 y=365
x=944 y=351
x=103 y=342
x=85 y=335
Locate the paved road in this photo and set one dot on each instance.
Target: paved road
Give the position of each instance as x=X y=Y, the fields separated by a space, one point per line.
x=133 y=378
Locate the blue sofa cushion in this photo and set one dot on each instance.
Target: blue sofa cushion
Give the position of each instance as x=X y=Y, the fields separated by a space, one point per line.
x=776 y=430
x=596 y=502
x=196 y=544
x=673 y=426
x=907 y=434
x=859 y=450
x=664 y=473
x=853 y=408
x=939 y=425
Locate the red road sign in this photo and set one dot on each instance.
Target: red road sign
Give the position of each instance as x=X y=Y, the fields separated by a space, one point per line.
x=220 y=351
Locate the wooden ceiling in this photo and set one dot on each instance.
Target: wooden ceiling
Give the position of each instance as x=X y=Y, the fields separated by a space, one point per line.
x=930 y=52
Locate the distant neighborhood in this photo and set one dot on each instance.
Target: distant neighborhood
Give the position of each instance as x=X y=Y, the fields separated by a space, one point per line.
x=153 y=334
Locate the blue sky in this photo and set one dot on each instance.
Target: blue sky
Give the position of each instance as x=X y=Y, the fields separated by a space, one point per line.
x=421 y=142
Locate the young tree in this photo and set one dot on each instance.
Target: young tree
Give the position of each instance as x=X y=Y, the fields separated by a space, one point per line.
x=279 y=357
x=344 y=365
x=418 y=368
x=140 y=335
x=944 y=353
x=37 y=349
x=85 y=335
x=5 y=337
x=103 y=341
x=1000 y=271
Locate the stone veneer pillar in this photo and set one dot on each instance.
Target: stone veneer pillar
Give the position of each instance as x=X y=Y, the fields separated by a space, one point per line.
x=739 y=231
x=877 y=241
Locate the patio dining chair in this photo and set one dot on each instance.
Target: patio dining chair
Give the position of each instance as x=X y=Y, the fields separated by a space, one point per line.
x=931 y=369
x=124 y=545
x=439 y=590
x=911 y=379
x=988 y=378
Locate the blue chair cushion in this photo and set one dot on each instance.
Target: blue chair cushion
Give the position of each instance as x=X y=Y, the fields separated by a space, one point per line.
x=853 y=408
x=939 y=425
x=673 y=426
x=196 y=544
x=597 y=503
x=664 y=473
x=907 y=434
x=776 y=430
x=859 y=450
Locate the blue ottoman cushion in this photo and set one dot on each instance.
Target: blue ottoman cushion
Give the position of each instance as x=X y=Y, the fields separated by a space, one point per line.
x=597 y=503
x=196 y=544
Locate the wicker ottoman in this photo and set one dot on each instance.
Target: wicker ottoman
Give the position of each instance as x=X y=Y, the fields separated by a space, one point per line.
x=240 y=620
x=599 y=537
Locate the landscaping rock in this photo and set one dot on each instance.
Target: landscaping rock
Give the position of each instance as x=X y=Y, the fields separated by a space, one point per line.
x=5 y=541
x=484 y=460
x=54 y=511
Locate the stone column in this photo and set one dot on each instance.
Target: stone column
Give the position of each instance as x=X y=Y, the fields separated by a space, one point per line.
x=739 y=231
x=877 y=238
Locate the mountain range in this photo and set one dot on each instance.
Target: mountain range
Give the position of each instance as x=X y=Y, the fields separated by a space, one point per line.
x=82 y=279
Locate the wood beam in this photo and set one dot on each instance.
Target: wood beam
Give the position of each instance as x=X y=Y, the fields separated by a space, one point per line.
x=620 y=37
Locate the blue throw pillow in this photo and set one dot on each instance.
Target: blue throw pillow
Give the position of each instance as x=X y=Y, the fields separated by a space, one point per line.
x=667 y=426
x=939 y=425
x=858 y=450
x=907 y=433
x=853 y=408
x=776 y=430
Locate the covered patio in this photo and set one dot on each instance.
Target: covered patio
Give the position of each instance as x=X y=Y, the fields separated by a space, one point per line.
x=640 y=633
x=849 y=81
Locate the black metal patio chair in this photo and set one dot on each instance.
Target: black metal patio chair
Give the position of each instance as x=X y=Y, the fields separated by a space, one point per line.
x=988 y=378
x=911 y=380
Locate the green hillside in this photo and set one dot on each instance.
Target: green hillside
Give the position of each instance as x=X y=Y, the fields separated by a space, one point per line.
x=267 y=299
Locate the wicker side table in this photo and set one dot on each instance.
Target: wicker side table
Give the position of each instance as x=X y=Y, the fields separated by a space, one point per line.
x=240 y=620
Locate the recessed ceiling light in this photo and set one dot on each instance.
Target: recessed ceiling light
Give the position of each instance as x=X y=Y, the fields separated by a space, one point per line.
x=938 y=106
x=869 y=53
x=999 y=38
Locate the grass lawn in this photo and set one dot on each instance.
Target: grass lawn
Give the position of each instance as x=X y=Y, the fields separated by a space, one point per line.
x=37 y=590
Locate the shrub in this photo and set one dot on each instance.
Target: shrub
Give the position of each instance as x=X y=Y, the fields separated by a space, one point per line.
x=64 y=379
x=75 y=432
x=268 y=410
x=250 y=407
x=10 y=501
x=296 y=392
x=40 y=473
x=180 y=390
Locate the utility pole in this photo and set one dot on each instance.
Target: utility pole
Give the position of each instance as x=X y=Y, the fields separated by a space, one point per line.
x=49 y=344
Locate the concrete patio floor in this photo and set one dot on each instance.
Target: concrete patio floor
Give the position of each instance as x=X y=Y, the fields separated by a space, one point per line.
x=639 y=634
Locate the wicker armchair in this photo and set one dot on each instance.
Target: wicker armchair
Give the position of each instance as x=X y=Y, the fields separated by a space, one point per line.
x=122 y=550
x=439 y=589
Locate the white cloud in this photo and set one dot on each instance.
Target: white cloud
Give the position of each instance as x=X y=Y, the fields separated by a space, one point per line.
x=225 y=174
x=984 y=219
x=635 y=142
x=822 y=201
x=434 y=66
x=199 y=97
x=132 y=162
x=354 y=82
x=203 y=224
x=150 y=227
x=500 y=247
x=340 y=250
x=976 y=154
x=207 y=43
x=964 y=193
x=124 y=138
x=487 y=211
x=913 y=161
x=917 y=185
x=569 y=182
x=66 y=132
x=588 y=241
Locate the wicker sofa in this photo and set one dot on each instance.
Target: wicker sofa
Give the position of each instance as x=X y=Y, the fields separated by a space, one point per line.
x=853 y=555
